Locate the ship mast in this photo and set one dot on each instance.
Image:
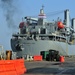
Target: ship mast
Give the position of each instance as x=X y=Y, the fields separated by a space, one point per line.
x=42 y=10
x=41 y=17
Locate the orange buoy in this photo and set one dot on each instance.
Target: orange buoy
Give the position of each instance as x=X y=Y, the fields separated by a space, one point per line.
x=62 y=59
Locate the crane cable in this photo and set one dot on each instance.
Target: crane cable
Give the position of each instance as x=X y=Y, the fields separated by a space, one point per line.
x=54 y=13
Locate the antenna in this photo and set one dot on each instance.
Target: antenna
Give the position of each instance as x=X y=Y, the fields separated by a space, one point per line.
x=22 y=19
x=42 y=6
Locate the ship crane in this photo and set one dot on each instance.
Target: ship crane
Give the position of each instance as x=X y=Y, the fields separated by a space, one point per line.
x=30 y=18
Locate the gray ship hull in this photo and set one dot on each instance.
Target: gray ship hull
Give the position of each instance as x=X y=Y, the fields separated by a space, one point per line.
x=34 y=47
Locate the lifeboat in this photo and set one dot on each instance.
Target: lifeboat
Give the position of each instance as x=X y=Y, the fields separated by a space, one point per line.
x=60 y=25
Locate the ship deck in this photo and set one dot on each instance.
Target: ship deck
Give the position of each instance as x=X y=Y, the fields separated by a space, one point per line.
x=51 y=68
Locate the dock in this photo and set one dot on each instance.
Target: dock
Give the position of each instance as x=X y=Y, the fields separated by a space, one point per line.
x=51 y=67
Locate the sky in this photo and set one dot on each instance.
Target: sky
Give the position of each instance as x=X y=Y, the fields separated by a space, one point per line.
x=12 y=12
